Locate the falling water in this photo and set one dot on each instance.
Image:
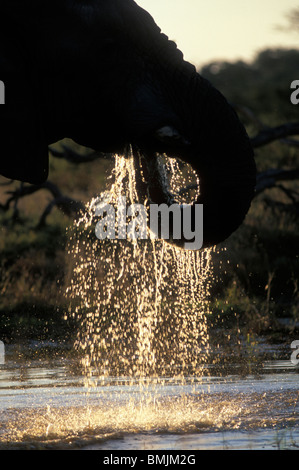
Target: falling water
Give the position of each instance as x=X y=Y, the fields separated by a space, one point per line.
x=142 y=305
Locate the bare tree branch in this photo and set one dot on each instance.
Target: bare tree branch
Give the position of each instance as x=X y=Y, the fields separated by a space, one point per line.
x=268 y=135
x=292 y=209
x=290 y=142
x=73 y=156
x=268 y=179
x=66 y=204
x=6 y=183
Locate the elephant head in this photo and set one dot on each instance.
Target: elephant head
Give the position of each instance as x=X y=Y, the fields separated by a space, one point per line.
x=102 y=73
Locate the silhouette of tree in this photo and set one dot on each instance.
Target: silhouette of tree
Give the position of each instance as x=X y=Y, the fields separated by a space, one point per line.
x=292 y=18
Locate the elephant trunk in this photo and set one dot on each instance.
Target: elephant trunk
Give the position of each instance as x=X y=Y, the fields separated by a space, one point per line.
x=205 y=132
x=210 y=137
x=223 y=158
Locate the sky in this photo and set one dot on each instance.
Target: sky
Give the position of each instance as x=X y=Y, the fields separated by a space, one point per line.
x=208 y=30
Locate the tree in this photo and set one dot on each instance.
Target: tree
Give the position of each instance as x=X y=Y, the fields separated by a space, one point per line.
x=292 y=18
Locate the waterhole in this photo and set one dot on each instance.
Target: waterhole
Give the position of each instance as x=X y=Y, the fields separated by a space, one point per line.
x=143 y=373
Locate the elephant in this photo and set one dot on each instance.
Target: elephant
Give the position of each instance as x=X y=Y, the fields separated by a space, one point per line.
x=102 y=73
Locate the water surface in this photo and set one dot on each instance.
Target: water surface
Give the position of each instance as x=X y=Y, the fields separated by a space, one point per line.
x=45 y=404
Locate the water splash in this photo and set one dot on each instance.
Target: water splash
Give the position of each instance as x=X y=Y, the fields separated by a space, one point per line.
x=68 y=426
x=142 y=305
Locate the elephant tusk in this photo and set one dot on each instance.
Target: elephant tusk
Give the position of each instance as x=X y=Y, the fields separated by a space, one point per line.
x=170 y=135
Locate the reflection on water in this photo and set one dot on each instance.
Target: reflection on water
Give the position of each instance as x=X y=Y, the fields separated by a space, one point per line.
x=45 y=404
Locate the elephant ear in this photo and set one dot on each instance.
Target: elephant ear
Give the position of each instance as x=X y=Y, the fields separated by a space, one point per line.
x=23 y=144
